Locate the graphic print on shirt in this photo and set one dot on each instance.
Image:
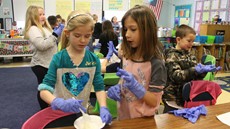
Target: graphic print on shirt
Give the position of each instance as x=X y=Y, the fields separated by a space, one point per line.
x=75 y=84
x=125 y=92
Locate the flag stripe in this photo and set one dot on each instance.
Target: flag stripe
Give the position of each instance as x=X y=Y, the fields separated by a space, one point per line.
x=157 y=9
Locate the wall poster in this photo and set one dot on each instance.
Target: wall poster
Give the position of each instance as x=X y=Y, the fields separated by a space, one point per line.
x=182 y=15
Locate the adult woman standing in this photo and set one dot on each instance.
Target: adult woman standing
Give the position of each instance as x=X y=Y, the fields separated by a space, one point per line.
x=116 y=26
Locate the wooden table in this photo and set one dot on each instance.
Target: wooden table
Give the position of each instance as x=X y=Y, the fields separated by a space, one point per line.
x=169 y=121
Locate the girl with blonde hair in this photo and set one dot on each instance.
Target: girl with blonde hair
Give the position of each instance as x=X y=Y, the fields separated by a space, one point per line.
x=39 y=34
x=72 y=73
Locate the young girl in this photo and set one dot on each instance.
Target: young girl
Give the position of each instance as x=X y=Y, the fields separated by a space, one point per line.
x=107 y=35
x=39 y=33
x=143 y=75
x=73 y=71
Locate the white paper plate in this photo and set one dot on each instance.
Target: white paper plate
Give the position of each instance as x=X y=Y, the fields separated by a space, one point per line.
x=93 y=123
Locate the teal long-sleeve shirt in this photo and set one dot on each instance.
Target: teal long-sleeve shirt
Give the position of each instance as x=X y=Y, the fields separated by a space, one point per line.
x=63 y=60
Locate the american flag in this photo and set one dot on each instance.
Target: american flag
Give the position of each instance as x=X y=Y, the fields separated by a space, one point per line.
x=156 y=5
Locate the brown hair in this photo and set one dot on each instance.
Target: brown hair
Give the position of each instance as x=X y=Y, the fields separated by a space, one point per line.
x=147 y=24
x=184 y=30
x=107 y=28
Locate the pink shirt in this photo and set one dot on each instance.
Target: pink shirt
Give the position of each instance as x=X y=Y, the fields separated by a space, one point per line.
x=152 y=75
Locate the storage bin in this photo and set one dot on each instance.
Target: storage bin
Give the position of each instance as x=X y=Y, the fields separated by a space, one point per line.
x=173 y=33
x=203 y=39
x=210 y=39
x=197 y=39
x=219 y=39
x=2 y=36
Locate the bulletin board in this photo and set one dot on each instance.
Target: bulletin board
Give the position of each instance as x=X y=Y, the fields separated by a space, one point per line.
x=35 y=2
x=115 y=8
x=64 y=7
x=205 y=10
x=182 y=15
x=91 y=6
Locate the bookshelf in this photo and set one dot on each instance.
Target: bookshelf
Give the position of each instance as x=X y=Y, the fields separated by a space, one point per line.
x=217 y=50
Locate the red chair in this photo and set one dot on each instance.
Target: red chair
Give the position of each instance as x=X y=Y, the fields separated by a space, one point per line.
x=200 y=92
x=43 y=117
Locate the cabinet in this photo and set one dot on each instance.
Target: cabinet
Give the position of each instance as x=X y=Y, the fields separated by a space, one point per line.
x=212 y=29
x=220 y=51
x=217 y=50
x=227 y=57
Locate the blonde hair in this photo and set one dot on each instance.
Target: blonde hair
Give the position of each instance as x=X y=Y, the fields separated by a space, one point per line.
x=32 y=19
x=74 y=20
x=95 y=17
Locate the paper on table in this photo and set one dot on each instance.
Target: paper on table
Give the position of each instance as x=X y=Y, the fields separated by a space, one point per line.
x=225 y=118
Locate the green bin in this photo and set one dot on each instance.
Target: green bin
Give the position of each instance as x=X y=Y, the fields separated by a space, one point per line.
x=210 y=39
x=112 y=106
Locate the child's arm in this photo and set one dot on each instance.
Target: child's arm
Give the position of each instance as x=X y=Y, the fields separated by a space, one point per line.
x=101 y=97
x=46 y=88
x=47 y=96
x=178 y=74
x=104 y=65
x=157 y=82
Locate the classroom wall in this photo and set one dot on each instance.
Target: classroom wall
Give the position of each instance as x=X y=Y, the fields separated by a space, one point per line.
x=6 y=10
x=166 y=17
x=184 y=2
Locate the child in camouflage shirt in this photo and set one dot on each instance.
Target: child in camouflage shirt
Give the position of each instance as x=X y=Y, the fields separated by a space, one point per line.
x=182 y=67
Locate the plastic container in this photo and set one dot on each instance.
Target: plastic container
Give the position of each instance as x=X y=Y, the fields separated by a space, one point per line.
x=173 y=33
x=219 y=39
x=2 y=36
x=91 y=122
x=203 y=39
x=11 y=33
x=210 y=39
x=197 y=39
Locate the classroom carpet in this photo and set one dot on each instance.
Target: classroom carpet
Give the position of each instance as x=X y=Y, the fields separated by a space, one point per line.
x=18 y=99
x=224 y=82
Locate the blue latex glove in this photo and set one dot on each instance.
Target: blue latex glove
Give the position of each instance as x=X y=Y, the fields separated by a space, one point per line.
x=113 y=48
x=209 y=68
x=199 y=68
x=218 y=68
x=110 y=52
x=205 y=68
x=58 y=30
x=192 y=114
x=105 y=115
x=97 y=46
x=69 y=105
x=114 y=92
x=131 y=83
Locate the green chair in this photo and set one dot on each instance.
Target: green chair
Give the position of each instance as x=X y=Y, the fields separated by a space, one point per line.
x=99 y=55
x=209 y=60
x=110 y=79
x=111 y=105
